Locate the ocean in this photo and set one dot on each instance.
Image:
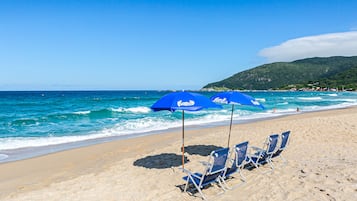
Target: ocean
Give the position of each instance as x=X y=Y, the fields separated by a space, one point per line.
x=34 y=123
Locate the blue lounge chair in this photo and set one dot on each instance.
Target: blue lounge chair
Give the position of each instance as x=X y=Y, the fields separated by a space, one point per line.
x=214 y=170
x=284 y=142
x=262 y=156
x=240 y=155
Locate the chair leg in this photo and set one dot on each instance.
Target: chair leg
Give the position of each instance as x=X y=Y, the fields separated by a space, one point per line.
x=256 y=165
x=196 y=186
x=270 y=163
x=234 y=186
x=250 y=161
x=199 y=190
x=185 y=190
x=284 y=160
x=222 y=183
x=242 y=176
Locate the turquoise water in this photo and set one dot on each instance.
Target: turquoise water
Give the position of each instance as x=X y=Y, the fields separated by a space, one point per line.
x=41 y=118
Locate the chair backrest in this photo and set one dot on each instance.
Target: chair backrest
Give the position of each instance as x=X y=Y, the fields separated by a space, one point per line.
x=272 y=142
x=284 y=140
x=219 y=158
x=240 y=153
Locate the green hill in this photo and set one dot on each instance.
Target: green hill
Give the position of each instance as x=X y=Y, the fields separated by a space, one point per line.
x=318 y=72
x=347 y=79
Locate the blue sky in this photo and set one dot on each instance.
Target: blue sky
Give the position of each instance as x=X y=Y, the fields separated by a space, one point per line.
x=129 y=45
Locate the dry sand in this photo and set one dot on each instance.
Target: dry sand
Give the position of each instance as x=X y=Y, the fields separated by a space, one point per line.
x=322 y=165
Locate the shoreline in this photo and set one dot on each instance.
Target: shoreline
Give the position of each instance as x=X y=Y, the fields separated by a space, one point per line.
x=32 y=152
x=85 y=127
x=113 y=163
x=12 y=155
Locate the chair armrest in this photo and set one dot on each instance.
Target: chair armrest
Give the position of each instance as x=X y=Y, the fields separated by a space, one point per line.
x=185 y=170
x=257 y=148
x=189 y=173
x=205 y=163
x=255 y=152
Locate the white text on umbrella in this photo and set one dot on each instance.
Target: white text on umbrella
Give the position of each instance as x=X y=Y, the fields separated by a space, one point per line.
x=182 y=103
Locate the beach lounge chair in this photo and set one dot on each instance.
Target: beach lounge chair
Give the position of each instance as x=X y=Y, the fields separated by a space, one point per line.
x=263 y=156
x=240 y=155
x=285 y=136
x=214 y=169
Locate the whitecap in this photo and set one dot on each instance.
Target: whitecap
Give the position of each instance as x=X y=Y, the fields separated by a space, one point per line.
x=3 y=156
x=139 y=109
x=284 y=103
x=22 y=142
x=82 y=112
x=310 y=98
x=124 y=128
x=263 y=100
x=117 y=109
x=348 y=100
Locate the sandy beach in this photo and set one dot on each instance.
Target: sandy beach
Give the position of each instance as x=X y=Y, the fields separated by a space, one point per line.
x=322 y=165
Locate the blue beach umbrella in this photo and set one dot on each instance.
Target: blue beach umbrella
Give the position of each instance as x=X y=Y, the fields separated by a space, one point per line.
x=185 y=101
x=235 y=98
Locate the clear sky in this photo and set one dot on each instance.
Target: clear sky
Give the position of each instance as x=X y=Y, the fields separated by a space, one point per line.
x=126 y=45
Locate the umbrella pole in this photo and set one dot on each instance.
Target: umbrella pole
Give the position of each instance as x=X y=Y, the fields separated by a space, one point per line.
x=230 y=126
x=183 y=139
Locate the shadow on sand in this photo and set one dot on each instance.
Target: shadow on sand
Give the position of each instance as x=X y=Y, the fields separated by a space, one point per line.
x=169 y=160
x=161 y=161
x=202 y=150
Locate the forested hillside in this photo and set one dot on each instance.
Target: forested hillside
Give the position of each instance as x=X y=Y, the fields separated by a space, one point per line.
x=331 y=72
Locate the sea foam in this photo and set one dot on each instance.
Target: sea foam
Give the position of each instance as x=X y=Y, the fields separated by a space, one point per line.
x=82 y=112
x=3 y=156
x=140 y=109
x=83 y=116
x=310 y=98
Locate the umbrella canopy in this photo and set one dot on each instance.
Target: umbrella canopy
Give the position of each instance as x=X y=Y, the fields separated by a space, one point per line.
x=235 y=98
x=183 y=101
